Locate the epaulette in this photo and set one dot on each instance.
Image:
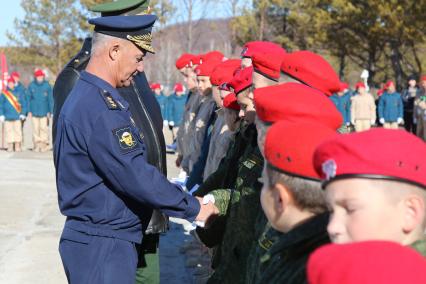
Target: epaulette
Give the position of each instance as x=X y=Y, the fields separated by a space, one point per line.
x=109 y=100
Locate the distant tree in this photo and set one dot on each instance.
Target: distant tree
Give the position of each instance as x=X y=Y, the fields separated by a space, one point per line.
x=49 y=31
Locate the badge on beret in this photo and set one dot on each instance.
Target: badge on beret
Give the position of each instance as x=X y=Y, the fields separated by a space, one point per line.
x=125 y=139
x=329 y=168
x=243 y=53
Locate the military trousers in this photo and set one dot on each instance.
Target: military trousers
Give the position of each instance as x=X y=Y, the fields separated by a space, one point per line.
x=362 y=124
x=390 y=125
x=95 y=259
x=40 y=130
x=13 y=131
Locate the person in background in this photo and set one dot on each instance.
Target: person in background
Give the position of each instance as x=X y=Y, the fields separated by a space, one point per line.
x=40 y=104
x=363 y=109
x=391 y=109
x=420 y=110
x=409 y=95
x=175 y=108
x=342 y=101
x=12 y=112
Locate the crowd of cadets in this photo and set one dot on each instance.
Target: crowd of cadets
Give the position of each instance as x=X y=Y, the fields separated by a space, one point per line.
x=18 y=103
x=390 y=109
x=262 y=138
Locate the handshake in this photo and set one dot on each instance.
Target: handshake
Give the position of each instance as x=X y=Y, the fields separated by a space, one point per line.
x=208 y=212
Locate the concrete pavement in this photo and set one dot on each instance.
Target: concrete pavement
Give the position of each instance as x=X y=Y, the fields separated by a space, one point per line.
x=30 y=224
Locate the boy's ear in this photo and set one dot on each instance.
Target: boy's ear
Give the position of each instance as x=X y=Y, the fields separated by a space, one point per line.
x=282 y=198
x=414 y=212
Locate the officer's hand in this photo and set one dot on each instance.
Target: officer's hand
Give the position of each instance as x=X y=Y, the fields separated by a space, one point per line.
x=179 y=161
x=382 y=121
x=2 y=118
x=207 y=212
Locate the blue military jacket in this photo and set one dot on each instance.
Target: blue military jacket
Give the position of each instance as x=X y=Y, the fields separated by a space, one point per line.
x=162 y=101
x=105 y=185
x=176 y=108
x=343 y=104
x=7 y=109
x=391 y=107
x=40 y=98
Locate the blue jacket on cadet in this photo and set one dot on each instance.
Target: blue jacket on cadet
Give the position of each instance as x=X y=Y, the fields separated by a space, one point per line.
x=40 y=98
x=20 y=88
x=162 y=101
x=105 y=185
x=7 y=102
x=176 y=108
x=391 y=107
x=343 y=104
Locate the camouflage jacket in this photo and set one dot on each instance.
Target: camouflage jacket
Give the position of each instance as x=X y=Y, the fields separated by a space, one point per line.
x=220 y=184
x=231 y=260
x=268 y=237
x=420 y=246
x=285 y=262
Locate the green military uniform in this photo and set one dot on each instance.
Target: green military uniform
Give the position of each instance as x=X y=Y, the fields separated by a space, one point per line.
x=285 y=262
x=220 y=183
x=230 y=261
x=149 y=264
x=268 y=237
x=420 y=246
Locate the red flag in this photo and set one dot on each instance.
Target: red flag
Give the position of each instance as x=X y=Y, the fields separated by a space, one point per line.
x=4 y=71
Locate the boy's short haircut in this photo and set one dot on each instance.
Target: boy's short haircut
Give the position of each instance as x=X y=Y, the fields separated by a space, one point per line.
x=307 y=193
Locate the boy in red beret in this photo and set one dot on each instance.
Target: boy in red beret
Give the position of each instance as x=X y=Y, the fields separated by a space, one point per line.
x=292 y=200
x=363 y=109
x=370 y=262
x=375 y=192
x=187 y=65
x=391 y=107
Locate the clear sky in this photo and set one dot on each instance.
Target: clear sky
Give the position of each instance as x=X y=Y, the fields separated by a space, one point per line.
x=10 y=9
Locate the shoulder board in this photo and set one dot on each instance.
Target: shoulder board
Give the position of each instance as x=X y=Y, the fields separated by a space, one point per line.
x=109 y=100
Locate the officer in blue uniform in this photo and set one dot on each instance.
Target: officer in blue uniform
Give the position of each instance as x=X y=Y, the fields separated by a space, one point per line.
x=106 y=188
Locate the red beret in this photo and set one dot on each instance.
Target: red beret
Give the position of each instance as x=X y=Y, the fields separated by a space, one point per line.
x=15 y=74
x=293 y=155
x=253 y=47
x=311 y=69
x=295 y=102
x=11 y=80
x=359 y=85
x=370 y=262
x=178 y=87
x=380 y=92
x=224 y=72
x=343 y=86
x=184 y=60
x=230 y=101
x=377 y=154
x=212 y=55
x=155 y=86
x=388 y=84
x=242 y=80
x=423 y=78
x=39 y=73
x=267 y=62
x=206 y=68
x=195 y=60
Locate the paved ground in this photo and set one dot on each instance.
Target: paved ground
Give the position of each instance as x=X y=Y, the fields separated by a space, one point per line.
x=30 y=224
